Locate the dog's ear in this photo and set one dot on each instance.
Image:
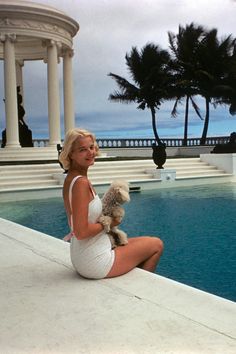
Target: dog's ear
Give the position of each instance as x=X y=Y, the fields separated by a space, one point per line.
x=116 y=191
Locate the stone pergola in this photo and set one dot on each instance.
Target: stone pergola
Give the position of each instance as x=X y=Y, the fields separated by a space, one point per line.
x=31 y=31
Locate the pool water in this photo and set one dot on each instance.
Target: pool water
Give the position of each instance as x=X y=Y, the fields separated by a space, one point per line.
x=197 y=225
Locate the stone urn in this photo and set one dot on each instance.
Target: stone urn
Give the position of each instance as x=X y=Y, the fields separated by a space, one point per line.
x=159 y=154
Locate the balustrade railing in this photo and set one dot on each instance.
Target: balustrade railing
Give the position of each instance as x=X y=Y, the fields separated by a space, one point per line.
x=145 y=143
x=40 y=142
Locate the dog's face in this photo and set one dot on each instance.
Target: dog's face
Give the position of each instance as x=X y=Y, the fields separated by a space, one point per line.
x=121 y=190
x=122 y=195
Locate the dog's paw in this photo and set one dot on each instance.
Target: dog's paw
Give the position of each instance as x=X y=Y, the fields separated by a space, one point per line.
x=118 y=213
x=123 y=241
x=106 y=222
x=113 y=241
x=121 y=236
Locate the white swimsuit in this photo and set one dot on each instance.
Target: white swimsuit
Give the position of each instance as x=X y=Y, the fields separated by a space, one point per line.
x=91 y=257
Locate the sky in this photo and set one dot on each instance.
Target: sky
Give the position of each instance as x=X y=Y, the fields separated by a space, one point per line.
x=108 y=30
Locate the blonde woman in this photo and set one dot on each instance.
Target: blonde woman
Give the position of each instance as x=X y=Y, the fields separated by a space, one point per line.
x=91 y=252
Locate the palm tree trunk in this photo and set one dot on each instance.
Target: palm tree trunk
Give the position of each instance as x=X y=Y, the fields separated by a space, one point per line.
x=154 y=126
x=206 y=123
x=186 y=121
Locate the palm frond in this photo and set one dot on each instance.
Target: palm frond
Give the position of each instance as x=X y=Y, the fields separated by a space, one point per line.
x=133 y=62
x=172 y=43
x=232 y=109
x=122 y=83
x=196 y=108
x=205 y=74
x=119 y=97
x=174 y=111
x=142 y=105
x=128 y=91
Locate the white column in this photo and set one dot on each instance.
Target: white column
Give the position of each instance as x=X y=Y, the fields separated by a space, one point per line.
x=12 y=129
x=53 y=95
x=69 y=114
x=19 y=77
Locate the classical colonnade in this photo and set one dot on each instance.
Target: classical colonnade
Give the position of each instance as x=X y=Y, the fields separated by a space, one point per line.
x=29 y=31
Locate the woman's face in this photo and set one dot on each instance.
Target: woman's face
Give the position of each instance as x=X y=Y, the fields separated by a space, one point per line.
x=83 y=151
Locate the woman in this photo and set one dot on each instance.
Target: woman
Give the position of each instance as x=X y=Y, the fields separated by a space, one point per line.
x=91 y=252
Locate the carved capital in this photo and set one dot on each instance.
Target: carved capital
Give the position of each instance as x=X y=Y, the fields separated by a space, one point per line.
x=51 y=43
x=8 y=37
x=2 y=37
x=67 y=52
x=20 y=62
x=48 y=43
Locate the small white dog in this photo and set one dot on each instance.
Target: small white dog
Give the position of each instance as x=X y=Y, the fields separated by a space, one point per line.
x=116 y=195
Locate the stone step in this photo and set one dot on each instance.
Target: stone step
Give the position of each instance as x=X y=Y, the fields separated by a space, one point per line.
x=176 y=163
x=21 y=165
x=108 y=181
x=31 y=154
x=28 y=154
x=28 y=172
x=125 y=176
x=26 y=178
x=149 y=162
x=19 y=185
x=184 y=164
x=195 y=167
x=100 y=166
x=208 y=172
x=103 y=172
x=117 y=171
x=226 y=177
x=130 y=172
x=35 y=166
x=34 y=170
x=198 y=172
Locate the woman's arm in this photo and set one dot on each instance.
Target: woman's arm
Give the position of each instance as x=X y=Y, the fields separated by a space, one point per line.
x=81 y=196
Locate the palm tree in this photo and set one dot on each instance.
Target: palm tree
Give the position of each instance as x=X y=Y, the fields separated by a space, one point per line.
x=229 y=92
x=213 y=57
x=150 y=72
x=184 y=47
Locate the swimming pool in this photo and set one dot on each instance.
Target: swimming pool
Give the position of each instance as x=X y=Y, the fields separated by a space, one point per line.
x=197 y=225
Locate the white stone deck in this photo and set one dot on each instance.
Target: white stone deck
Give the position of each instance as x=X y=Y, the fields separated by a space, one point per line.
x=47 y=308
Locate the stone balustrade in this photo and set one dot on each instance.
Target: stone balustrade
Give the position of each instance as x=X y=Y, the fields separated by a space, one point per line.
x=145 y=143
x=142 y=143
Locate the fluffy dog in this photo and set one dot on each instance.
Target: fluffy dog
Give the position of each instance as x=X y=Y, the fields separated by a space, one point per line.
x=116 y=195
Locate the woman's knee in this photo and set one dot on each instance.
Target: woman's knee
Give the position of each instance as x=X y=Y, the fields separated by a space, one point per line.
x=151 y=243
x=158 y=244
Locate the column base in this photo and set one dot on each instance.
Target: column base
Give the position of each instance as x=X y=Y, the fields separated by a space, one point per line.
x=12 y=146
x=53 y=143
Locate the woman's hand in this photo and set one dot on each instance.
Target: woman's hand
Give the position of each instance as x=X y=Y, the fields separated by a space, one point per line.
x=108 y=222
x=115 y=222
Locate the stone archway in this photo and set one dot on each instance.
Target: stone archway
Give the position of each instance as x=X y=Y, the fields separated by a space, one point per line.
x=31 y=31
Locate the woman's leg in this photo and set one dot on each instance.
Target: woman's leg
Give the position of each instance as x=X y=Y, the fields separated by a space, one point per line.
x=143 y=252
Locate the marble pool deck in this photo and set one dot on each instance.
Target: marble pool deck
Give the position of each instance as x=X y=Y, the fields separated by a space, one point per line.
x=47 y=308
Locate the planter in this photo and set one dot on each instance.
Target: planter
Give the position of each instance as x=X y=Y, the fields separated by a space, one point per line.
x=159 y=154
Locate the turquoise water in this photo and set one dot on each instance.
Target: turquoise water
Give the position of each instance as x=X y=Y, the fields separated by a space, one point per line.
x=197 y=225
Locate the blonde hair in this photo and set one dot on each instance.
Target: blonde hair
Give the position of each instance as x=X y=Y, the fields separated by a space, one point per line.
x=71 y=136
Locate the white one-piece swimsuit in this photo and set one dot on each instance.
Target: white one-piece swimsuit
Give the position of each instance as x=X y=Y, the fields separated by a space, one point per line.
x=92 y=257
